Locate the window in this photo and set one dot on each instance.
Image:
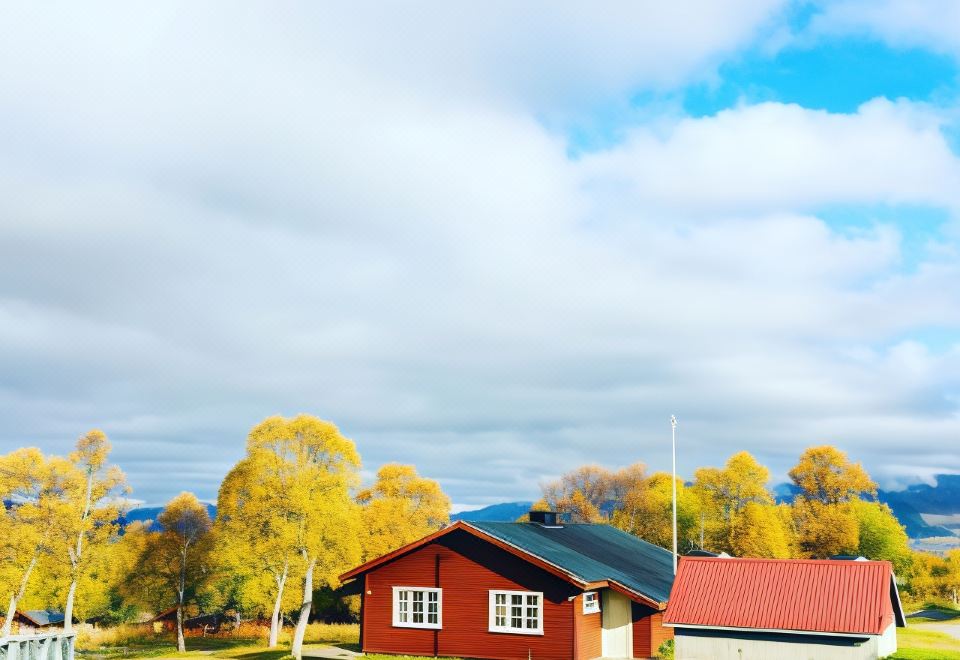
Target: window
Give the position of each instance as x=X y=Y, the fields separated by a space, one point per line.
x=417 y=607
x=519 y=612
x=591 y=603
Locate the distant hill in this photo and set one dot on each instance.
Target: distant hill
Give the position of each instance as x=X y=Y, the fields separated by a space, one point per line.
x=505 y=512
x=144 y=513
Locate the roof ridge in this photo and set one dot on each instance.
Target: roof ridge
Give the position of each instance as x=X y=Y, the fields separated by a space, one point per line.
x=837 y=562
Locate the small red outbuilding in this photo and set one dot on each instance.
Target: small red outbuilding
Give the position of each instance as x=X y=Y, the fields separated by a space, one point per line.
x=784 y=608
x=517 y=591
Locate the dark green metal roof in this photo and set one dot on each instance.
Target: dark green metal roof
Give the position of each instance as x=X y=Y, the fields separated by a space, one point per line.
x=593 y=553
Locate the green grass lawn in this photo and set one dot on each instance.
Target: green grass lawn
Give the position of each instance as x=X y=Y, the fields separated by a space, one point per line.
x=917 y=642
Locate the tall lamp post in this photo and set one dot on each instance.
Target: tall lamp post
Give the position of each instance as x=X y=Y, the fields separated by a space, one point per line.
x=673 y=428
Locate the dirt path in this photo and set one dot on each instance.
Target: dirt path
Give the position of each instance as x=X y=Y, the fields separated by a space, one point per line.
x=952 y=629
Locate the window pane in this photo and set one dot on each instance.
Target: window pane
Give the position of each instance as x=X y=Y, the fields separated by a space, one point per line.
x=417 y=606
x=433 y=607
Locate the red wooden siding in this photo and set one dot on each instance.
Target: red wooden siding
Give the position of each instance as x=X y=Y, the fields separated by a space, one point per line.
x=648 y=631
x=468 y=569
x=589 y=632
x=659 y=633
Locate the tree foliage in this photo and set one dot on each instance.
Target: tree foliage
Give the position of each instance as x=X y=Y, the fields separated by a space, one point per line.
x=724 y=493
x=256 y=538
x=399 y=508
x=312 y=467
x=880 y=534
x=825 y=474
x=762 y=530
x=175 y=562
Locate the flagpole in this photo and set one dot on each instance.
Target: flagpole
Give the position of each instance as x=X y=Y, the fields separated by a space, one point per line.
x=673 y=428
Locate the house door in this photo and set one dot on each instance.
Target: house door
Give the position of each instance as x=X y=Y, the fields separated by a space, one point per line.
x=617 y=636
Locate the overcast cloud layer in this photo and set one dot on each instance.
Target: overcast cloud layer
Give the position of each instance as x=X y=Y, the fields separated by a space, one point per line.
x=388 y=216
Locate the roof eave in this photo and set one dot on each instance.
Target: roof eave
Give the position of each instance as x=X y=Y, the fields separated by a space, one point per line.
x=790 y=631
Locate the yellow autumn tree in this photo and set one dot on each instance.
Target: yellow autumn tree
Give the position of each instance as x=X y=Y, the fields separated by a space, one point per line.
x=648 y=512
x=825 y=474
x=314 y=466
x=399 y=508
x=824 y=511
x=137 y=578
x=724 y=493
x=91 y=511
x=36 y=486
x=824 y=530
x=952 y=576
x=255 y=539
x=760 y=530
x=880 y=534
x=176 y=560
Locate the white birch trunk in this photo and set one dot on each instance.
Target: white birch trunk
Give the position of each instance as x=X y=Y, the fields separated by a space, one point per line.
x=275 y=618
x=11 y=612
x=181 y=646
x=15 y=598
x=68 y=610
x=306 y=605
x=76 y=556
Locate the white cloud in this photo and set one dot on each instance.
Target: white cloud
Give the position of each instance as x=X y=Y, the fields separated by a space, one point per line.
x=204 y=222
x=774 y=157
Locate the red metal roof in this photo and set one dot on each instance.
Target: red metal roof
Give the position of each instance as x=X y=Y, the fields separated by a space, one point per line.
x=827 y=596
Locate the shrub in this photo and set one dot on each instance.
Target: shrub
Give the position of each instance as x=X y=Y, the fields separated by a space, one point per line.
x=665 y=651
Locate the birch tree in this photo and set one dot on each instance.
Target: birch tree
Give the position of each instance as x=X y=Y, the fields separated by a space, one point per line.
x=179 y=552
x=36 y=487
x=89 y=520
x=255 y=535
x=311 y=466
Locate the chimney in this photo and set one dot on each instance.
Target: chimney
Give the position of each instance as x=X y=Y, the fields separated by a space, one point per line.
x=545 y=518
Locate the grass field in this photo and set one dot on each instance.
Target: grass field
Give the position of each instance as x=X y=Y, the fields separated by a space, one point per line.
x=916 y=642
x=131 y=642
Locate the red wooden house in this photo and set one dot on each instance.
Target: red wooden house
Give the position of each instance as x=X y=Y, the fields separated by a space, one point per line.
x=525 y=591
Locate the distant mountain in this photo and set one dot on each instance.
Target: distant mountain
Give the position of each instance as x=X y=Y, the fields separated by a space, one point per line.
x=905 y=509
x=145 y=513
x=944 y=498
x=505 y=512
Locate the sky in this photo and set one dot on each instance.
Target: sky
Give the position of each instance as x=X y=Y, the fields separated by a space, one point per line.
x=496 y=240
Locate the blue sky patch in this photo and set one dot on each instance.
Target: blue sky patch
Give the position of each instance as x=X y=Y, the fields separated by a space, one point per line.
x=835 y=75
x=919 y=226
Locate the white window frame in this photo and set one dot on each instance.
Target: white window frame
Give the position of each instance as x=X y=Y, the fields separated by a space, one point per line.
x=524 y=630
x=593 y=606
x=409 y=609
